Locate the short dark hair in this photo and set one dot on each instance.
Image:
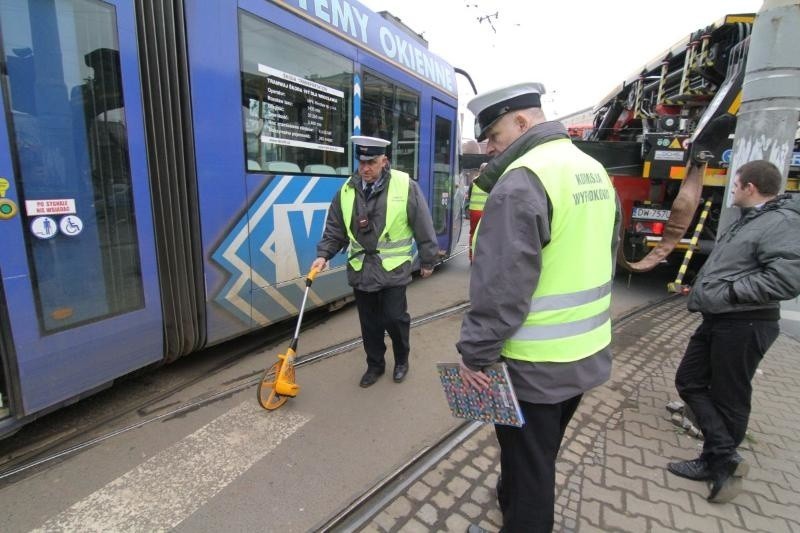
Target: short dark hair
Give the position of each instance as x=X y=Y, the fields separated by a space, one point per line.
x=763 y=175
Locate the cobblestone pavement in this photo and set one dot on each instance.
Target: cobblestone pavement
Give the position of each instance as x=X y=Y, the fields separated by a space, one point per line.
x=611 y=473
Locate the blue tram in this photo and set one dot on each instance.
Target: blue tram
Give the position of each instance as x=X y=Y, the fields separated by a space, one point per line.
x=166 y=167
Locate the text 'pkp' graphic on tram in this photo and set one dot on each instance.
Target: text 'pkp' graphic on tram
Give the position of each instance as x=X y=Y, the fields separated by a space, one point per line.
x=166 y=168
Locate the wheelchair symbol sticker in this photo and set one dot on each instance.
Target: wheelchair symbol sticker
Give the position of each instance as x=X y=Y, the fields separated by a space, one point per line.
x=70 y=225
x=44 y=227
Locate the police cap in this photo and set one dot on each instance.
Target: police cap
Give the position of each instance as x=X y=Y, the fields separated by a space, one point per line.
x=369 y=147
x=490 y=106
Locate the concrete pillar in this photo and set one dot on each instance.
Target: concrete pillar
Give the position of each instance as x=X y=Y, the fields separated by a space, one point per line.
x=767 y=120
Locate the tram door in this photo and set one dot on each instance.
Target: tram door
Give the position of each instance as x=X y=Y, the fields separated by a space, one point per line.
x=443 y=165
x=81 y=302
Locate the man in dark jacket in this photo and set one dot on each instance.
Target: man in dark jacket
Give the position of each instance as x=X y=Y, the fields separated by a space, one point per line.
x=540 y=289
x=376 y=214
x=753 y=267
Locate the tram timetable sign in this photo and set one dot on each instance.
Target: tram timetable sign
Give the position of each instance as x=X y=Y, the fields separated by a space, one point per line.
x=300 y=111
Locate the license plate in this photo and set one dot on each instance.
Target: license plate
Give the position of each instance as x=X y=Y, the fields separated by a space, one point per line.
x=647 y=213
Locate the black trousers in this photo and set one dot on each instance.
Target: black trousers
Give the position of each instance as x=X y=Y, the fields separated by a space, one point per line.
x=714 y=377
x=380 y=312
x=526 y=490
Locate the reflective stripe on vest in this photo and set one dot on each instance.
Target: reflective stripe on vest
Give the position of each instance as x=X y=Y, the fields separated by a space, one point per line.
x=477 y=198
x=569 y=314
x=395 y=243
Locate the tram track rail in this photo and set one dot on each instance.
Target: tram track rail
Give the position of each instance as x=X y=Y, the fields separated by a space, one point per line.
x=61 y=448
x=54 y=443
x=362 y=508
x=368 y=504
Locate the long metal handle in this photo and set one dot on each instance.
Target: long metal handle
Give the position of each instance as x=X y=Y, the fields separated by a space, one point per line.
x=309 y=280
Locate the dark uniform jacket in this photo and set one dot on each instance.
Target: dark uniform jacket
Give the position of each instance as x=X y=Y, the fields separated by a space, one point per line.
x=372 y=277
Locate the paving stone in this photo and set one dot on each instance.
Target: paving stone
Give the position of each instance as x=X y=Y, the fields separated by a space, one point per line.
x=655 y=527
x=428 y=514
x=760 y=522
x=470 y=473
x=456 y=522
x=615 y=521
x=703 y=507
x=585 y=526
x=482 y=495
x=471 y=510
x=695 y=522
x=637 y=443
x=458 y=486
x=617 y=464
x=637 y=506
x=399 y=507
x=602 y=494
x=611 y=472
x=419 y=491
x=470 y=445
x=458 y=455
x=679 y=498
x=590 y=510
x=385 y=521
x=614 y=480
x=482 y=463
x=625 y=451
x=412 y=526
x=495 y=517
x=783 y=496
x=771 y=508
x=433 y=478
x=636 y=470
x=443 y=500
x=445 y=466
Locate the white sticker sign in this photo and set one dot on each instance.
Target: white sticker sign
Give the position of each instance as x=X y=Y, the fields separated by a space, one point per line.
x=70 y=225
x=44 y=227
x=55 y=206
x=668 y=155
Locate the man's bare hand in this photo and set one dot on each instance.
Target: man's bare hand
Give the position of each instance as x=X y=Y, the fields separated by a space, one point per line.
x=425 y=272
x=477 y=380
x=320 y=264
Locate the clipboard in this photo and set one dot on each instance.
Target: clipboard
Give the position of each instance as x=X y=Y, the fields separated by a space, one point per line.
x=497 y=404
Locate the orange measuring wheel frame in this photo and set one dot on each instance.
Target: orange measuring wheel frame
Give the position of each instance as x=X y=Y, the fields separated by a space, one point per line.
x=278 y=382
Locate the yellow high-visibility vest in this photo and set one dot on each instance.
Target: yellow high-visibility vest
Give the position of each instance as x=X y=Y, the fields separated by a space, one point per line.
x=395 y=242
x=477 y=198
x=569 y=316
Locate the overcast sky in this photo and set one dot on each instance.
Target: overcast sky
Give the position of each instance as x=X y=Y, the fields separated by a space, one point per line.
x=579 y=49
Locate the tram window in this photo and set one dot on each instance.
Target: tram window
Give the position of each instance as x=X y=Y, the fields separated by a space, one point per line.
x=442 y=173
x=70 y=136
x=391 y=112
x=296 y=99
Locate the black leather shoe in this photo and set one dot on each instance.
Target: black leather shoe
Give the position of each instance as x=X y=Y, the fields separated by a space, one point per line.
x=726 y=482
x=400 y=372
x=369 y=378
x=696 y=469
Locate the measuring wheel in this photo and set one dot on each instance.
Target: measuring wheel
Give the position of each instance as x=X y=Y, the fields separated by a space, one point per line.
x=267 y=397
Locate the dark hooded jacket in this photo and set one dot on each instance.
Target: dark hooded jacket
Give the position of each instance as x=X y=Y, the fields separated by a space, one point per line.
x=755 y=264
